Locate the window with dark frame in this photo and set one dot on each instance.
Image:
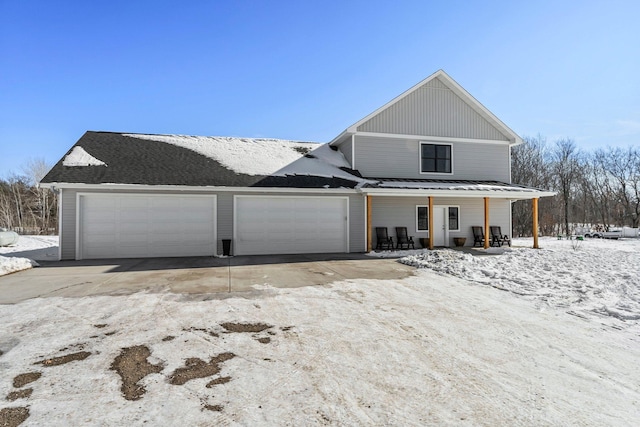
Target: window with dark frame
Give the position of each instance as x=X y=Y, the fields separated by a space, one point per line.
x=453 y=218
x=423 y=218
x=422 y=213
x=435 y=158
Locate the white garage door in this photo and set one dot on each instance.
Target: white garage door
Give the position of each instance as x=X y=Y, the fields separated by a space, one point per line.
x=138 y=226
x=290 y=225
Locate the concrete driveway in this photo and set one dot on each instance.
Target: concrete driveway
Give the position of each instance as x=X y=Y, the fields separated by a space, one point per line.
x=196 y=275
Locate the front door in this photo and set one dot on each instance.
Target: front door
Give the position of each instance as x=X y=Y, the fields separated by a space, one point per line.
x=439 y=226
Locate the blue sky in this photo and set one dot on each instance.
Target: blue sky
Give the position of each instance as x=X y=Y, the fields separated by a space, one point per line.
x=306 y=70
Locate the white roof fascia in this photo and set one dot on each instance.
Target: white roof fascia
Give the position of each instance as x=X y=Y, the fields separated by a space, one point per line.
x=514 y=139
x=496 y=194
x=369 y=191
x=339 y=137
x=146 y=187
x=434 y=138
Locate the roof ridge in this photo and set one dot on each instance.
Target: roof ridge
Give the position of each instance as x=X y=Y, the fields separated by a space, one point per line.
x=257 y=138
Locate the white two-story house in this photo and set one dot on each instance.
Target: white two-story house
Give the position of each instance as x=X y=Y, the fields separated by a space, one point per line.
x=433 y=160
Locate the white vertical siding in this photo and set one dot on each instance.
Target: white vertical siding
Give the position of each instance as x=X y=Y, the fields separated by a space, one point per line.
x=433 y=110
x=382 y=157
x=225 y=219
x=68 y=225
x=357 y=233
x=346 y=150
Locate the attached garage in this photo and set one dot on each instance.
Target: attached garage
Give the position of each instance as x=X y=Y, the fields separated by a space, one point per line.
x=290 y=225
x=142 y=226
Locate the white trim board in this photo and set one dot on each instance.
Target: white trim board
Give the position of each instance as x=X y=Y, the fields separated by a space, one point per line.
x=186 y=188
x=431 y=138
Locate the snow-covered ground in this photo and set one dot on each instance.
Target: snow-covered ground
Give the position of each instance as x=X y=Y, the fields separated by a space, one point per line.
x=26 y=251
x=595 y=277
x=438 y=348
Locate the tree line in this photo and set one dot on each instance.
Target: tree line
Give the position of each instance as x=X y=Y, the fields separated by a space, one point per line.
x=595 y=189
x=25 y=207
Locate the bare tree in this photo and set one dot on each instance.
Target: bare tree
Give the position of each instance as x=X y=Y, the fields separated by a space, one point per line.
x=598 y=187
x=35 y=170
x=634 y=188
x=566 y=169
x=24 y=206
x=529 y=166
x=622 y=166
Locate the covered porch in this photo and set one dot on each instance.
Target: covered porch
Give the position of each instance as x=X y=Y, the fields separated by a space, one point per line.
x=439 y=212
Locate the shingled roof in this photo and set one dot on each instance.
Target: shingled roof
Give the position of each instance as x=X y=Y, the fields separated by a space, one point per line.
x=117 y=158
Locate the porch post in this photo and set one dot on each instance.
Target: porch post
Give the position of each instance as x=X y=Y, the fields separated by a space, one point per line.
x=487 y=236
x=535 y=223
x=431 y=233
x=368 y=223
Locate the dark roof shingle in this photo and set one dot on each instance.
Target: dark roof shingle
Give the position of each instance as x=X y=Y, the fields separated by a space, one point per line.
x=132 y=160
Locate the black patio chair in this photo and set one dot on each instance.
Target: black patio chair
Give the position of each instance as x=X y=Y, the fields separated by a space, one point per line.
x=384 y=241
x=497 y=238
x=403 y=238
x=478 y=236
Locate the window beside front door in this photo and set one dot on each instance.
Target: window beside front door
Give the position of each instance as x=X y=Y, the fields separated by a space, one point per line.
x=422 y=218
x=454 y=218
x=435 y=158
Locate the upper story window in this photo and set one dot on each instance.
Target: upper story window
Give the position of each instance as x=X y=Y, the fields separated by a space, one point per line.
x=435 y=158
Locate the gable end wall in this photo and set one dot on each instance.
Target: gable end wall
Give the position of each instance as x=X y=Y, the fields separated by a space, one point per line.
x=434 y=110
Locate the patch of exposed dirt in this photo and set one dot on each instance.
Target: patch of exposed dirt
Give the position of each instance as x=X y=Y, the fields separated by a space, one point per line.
x=12 y=417
x=132 y=366
x=265 y=340
x=212 y=333
x=19 y=394
x=221 y=380
x=168 y=338
x=24 y=379
x=245 y=327
x=215 y=408
x=302 y=150
x=55 y=361
x=198 y=368
x=79 y=346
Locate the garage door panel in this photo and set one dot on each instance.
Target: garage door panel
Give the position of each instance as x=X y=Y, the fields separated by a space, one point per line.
x=123 y=226
x=133 y=227
x=102 y=215
x=266 y=225
x=101 y=239
x=132 y=238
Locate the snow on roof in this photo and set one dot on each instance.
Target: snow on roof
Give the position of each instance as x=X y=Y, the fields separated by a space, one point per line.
x=484 y=186
x=248 y=156
x=324 y=162
x=79 y=157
